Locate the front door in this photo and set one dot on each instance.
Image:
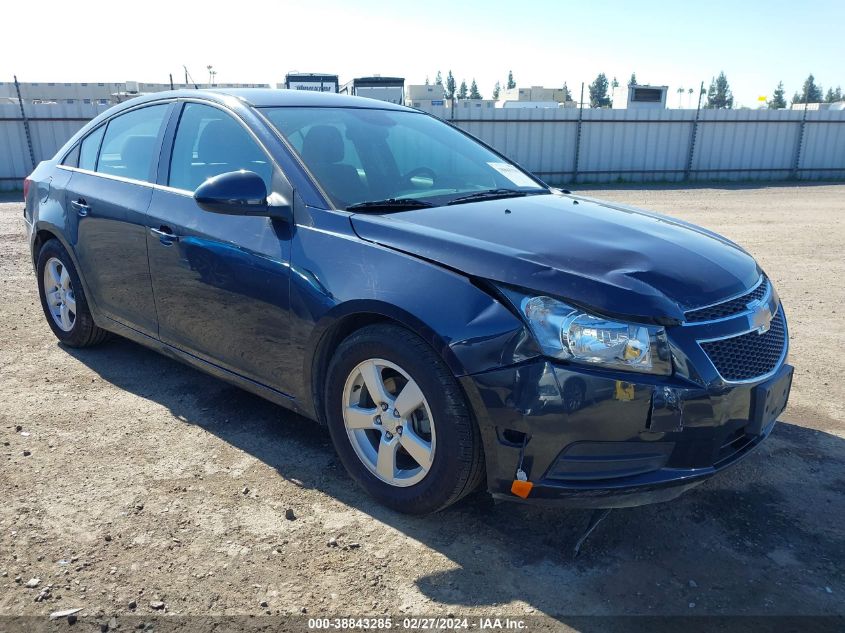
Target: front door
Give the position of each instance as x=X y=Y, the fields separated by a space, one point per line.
x=220 y=281
x=108 y=195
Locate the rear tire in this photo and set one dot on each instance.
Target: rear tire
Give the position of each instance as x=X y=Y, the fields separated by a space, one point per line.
x=63 y=299
x=432 y=439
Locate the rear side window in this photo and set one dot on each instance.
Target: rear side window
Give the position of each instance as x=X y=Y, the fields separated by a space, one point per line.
x=89 y=148
x=209 y=142
x=130 y=145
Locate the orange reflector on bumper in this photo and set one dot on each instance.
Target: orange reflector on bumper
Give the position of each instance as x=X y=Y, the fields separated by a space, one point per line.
x=521 y=488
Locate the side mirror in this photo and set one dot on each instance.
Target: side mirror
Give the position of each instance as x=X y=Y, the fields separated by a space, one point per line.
x=240 y=193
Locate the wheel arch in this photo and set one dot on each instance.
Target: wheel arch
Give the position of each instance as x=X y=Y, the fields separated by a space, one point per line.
x=44 y=232
x=347 y=319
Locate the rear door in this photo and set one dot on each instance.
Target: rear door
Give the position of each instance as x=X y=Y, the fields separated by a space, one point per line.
x=220 y=281
x=109 y=194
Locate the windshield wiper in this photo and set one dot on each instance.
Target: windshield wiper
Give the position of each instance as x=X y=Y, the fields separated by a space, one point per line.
x=493 y=194
x=389 y=203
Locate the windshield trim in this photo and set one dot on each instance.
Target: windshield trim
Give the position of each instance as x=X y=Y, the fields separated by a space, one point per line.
x=541 y=184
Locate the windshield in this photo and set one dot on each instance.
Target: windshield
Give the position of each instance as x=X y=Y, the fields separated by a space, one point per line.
x=369 y=157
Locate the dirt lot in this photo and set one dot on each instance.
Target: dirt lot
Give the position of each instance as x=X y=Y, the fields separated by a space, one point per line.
x=134 y=479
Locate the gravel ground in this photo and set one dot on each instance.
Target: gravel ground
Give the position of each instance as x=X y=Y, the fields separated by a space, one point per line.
x=133 y=485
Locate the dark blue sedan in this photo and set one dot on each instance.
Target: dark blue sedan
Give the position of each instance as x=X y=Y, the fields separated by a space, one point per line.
x=451 y=318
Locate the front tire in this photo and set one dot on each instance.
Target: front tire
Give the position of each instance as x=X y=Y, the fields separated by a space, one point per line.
x=399 y=421
x=63 y=298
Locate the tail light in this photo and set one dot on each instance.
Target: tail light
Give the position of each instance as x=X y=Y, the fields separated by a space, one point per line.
x=26 y=184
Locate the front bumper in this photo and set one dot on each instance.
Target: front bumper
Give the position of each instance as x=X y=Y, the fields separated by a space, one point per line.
x=596 y=439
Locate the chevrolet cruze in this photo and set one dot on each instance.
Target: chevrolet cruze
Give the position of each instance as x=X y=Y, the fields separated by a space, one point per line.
x=451 y=318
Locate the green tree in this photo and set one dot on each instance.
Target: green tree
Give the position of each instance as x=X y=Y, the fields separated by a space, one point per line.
x=719 y=95
x=426 y=80
x=438 y=79
x=598 y=92
x=496 y=90
x=473 y=90
x=810 y=92
x=462 y=91
x=511 y=82
x=567 y=94
x=633 y=80
x=450 y=85
x=777 y=102
x=833 y=96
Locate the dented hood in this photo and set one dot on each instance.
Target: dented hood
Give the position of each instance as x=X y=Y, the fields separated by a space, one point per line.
x=615 y=259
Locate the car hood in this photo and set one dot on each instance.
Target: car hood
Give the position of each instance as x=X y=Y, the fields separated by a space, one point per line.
x=612 y=258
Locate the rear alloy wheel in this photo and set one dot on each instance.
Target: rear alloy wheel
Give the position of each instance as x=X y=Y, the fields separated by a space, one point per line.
x=58 y=291
x=399 y=421
x=63 y=298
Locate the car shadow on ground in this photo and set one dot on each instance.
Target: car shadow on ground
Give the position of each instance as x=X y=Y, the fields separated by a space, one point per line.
x=765 y=537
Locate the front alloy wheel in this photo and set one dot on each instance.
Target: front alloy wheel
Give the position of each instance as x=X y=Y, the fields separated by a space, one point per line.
x=399 y=421
x=389 y=422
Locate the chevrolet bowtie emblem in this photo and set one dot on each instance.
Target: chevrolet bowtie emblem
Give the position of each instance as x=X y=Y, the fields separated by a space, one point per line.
x=761 y=317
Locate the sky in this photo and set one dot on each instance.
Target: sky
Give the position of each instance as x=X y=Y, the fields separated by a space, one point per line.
x=544 y=42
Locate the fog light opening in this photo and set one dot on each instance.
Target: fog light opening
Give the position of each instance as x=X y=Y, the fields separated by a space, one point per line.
x=512 y=437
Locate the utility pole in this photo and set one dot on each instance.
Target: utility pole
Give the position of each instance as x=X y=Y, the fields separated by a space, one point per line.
x=578 y=136
x=693 y=135
x=188 y=76
x=25 y=123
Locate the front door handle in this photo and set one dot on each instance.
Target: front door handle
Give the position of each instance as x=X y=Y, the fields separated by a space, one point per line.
x=82 y=207
x=165 y=234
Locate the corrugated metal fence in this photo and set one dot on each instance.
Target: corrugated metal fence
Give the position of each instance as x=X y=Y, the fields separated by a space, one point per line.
x=50 y=126
x=565 y=145
x=571 y=145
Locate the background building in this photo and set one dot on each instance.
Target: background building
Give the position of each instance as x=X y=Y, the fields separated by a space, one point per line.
x=836 y=105
x=425 y=96
x=534 y=97
x=390 y=89
x=647 y=97
x=102 y=93
x=310 y=81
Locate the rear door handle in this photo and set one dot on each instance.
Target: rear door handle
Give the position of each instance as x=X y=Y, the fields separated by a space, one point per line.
x=82 y=207
x=165 y=234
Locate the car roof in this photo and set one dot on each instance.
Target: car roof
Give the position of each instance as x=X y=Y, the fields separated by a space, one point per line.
x=267 y=97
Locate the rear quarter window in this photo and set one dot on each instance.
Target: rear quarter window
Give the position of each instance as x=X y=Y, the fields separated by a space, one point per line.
x=72 y=157
x=89 y=148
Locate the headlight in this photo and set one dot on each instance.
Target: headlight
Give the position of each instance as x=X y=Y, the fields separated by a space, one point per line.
x=570 y=333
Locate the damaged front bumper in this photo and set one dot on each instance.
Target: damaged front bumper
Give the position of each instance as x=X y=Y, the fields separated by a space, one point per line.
x=597 y=439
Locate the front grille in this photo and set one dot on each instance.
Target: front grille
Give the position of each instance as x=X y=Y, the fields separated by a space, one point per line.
x=749 y=355
x=730 y=307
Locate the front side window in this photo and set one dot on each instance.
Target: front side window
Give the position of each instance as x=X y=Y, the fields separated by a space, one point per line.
x=130 y=146
x=362 y=155
x=90 y=148
x=210 y=142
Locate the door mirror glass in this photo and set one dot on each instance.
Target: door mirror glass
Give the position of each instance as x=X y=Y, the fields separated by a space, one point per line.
x=238 y=193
